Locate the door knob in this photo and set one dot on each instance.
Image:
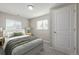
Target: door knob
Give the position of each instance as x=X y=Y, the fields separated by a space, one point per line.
x=54 y=32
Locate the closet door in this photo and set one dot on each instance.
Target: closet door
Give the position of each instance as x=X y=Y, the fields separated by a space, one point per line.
x=64 y=29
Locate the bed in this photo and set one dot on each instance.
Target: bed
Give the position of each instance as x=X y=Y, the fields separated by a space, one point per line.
x=23 y=45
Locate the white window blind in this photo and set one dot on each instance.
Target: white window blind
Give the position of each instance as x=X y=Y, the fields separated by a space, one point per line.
x=13 y=24
x=42 y=24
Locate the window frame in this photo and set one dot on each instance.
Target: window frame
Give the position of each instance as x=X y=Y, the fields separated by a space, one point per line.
x=44 y=27
x=12 y=24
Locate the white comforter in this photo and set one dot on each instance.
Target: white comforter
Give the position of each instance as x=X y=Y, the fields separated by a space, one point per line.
x=25 y=48
x=13 y=38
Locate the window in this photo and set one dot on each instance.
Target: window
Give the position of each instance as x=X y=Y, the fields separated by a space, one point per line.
x=45 y=24
x=13 y=24
x=42 y=24
x=39 y=24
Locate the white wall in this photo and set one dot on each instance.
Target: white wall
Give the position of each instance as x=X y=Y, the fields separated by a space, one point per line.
x=2 y=20
x=44 y=34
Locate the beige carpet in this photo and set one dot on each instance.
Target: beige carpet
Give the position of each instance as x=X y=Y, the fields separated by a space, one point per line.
x=49 y=51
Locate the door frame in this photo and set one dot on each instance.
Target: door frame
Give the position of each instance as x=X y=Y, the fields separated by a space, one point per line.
x=76 y=39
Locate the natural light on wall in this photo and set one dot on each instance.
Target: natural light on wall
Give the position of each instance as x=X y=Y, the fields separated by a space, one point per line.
x=42 y=24
x=13 y=24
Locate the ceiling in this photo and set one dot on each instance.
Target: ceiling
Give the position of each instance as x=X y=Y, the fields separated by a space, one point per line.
x=22 y=10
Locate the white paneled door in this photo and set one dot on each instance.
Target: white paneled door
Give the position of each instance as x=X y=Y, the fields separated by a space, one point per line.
x=64 y=29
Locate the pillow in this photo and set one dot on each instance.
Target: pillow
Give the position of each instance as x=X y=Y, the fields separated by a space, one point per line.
x=9 y=34
x=17 y=34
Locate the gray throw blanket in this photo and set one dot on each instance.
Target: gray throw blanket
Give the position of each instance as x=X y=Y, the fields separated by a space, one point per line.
x=17 y=42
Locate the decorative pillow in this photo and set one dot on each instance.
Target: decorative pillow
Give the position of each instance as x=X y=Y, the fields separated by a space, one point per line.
x=17 y=34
